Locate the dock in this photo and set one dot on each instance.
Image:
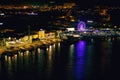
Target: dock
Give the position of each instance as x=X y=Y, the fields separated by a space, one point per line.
x=10 y=50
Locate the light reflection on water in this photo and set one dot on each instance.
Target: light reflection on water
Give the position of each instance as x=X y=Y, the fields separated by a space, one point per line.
x=80 y=61
x=9 y=65
x=106 y=54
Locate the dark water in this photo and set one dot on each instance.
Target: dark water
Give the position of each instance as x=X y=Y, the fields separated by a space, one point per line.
x=83 y=60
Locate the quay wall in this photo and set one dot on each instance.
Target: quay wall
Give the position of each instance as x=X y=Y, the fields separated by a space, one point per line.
x=27 y=46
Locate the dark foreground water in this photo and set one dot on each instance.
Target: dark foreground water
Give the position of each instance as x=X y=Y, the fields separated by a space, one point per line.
x=83 y=60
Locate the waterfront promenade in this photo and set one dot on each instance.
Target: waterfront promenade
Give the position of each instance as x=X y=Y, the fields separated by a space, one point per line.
x=26 y=46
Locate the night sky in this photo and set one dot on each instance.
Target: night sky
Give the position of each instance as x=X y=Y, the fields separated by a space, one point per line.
x=81 y=2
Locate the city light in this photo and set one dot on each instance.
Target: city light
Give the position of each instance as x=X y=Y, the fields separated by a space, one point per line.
x=1 y=23
x=58 y=39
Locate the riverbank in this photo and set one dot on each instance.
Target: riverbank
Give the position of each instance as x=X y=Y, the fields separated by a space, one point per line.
x=27 y=46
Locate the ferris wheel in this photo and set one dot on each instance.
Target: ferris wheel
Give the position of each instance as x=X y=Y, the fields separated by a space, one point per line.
x=81 y=26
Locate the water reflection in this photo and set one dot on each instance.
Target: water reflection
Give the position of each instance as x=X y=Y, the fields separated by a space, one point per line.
x=80 y=60
x=38 y=50
x=102 y=60
x=9 y=65
x=50 y=53
x=106 y=55
x=89 y=61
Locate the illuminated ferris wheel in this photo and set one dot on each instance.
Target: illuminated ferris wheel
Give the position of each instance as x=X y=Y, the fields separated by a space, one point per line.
x=81 y=26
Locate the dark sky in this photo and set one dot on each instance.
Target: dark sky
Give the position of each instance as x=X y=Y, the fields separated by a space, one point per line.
x=81 y=2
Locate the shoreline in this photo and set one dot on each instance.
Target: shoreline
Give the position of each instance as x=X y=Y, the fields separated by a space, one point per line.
x=28 y=46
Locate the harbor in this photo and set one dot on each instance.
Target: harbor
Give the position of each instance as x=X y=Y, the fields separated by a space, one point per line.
x=58 y=60
x=10 y=50
x=60 y=40
x=43 y=40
